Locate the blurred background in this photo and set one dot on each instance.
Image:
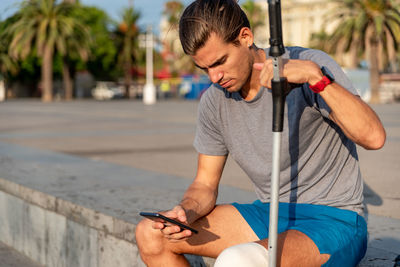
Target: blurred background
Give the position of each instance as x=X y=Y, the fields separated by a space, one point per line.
x=75 y=49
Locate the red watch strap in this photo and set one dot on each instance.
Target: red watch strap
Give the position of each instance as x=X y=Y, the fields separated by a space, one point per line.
x=320 y=86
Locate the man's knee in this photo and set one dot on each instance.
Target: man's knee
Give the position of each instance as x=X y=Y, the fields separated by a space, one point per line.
x=247 y=254
x=148 y=240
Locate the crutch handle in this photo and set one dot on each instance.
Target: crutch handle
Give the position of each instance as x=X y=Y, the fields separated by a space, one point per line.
x=279 y=91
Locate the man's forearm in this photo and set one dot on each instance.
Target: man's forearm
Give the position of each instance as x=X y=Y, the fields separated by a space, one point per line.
x=357 y=120
x=198 y=201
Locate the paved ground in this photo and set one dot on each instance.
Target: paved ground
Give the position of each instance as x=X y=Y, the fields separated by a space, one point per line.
x=159 y=138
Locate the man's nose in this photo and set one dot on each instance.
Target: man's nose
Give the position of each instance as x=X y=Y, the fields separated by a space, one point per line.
x=215 y=75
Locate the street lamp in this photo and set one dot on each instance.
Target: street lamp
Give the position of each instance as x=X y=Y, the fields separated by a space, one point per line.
x=149 y=90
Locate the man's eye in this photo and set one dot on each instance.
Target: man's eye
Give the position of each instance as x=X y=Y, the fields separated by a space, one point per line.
x=222 y=61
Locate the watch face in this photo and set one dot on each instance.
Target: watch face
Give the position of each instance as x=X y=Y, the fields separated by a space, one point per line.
x=327 y=73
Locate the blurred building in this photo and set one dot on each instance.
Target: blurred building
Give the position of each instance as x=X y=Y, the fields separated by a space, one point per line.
x=300 y=19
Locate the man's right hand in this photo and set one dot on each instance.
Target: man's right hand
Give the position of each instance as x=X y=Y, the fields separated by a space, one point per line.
x=170 y=231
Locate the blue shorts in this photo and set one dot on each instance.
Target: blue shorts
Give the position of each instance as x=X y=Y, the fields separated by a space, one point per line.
x=339 y=233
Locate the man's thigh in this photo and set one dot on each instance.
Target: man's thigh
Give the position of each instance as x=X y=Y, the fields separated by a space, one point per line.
x=225 y=227
x=222 y=228
x=294 y=248
x=339 y=235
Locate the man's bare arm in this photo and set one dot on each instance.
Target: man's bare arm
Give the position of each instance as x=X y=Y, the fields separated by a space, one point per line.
x=199 y=199
x=201 y=196
x=357 y=120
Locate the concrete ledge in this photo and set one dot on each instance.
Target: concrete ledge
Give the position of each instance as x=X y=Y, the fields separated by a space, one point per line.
x=52 y=239
x=66 y=234
x=62 y=210
x=71 y=211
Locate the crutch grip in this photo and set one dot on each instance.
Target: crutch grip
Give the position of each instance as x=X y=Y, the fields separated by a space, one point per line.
x=279 y=91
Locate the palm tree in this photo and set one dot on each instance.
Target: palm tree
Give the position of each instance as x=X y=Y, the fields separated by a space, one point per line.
x=7 y=63
x=367 y=26
x=129 y=33
x=173 y=10
x=46 y=27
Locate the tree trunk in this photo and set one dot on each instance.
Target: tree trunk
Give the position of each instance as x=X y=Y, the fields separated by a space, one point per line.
x=47 y=74
x=340 y=51
x=128 y=78
x=374 y=71
x=354 y=54
x=381 y=57
x=68 y=88
x=391 y=53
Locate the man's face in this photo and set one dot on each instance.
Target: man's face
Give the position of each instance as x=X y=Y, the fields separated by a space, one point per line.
x=225 y=63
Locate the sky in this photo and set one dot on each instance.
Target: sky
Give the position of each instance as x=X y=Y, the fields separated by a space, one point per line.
x=151 y=10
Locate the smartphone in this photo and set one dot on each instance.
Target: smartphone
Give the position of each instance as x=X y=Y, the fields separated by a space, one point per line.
x=157 y=217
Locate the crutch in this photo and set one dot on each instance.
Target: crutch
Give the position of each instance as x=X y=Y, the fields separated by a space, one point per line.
x=279 y=89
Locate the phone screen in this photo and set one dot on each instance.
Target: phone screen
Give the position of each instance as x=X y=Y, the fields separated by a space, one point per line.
x=155 y=216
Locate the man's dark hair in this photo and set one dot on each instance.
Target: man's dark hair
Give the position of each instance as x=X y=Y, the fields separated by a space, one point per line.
x=202 y=17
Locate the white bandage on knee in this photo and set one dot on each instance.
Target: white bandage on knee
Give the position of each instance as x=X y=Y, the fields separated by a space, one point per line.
x=243 y=255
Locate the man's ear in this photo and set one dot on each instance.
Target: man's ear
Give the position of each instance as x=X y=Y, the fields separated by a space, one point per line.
x=246 y=37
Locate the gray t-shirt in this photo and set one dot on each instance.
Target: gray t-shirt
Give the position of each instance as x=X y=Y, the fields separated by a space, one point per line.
x=319 y=164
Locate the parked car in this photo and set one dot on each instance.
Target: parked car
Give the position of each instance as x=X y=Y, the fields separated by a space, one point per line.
x=105 y=91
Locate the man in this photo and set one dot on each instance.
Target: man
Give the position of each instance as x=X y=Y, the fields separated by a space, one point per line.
x=321 y=187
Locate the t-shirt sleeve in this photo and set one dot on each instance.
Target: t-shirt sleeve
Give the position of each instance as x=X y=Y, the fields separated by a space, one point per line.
x=324 y=60
x=208 y=139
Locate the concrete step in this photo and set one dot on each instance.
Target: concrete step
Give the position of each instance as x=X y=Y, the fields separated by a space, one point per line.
x=9 y=257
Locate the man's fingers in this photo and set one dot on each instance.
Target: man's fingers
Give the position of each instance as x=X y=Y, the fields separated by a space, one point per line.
x=158 y=225
x=265 y=74
x=258 y=66
x=171 y=229
x=180 y=236
x=182 y=215
x=175 y=234
x=173 y=214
